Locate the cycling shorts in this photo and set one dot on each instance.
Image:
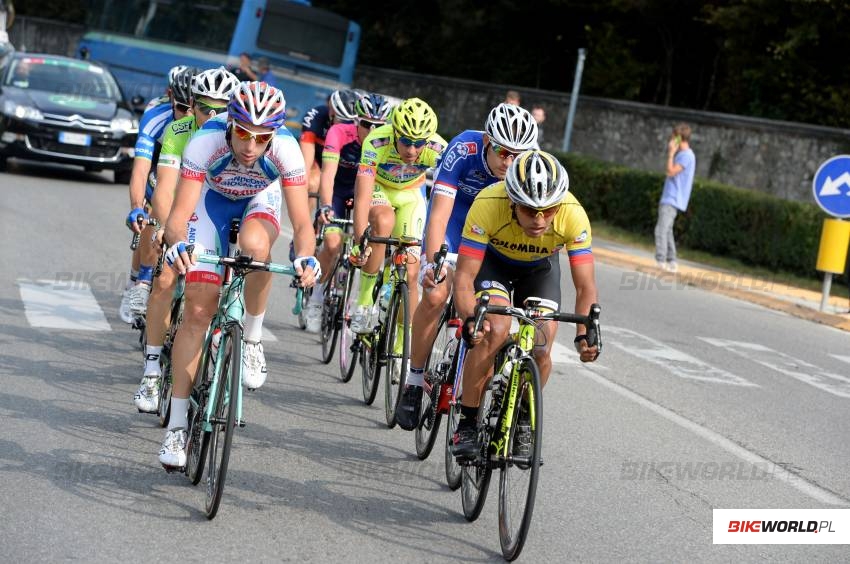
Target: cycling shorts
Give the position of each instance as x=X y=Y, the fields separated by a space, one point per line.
x=499 y=278
x=409 y=206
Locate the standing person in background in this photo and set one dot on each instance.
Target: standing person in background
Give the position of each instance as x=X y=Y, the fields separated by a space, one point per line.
x=512 y=97
x=244 y=72
x=264 y=71
x=539 y=115
x=7 y=16
x=681 y=165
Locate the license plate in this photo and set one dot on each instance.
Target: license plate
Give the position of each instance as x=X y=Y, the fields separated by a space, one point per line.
x=74 y=138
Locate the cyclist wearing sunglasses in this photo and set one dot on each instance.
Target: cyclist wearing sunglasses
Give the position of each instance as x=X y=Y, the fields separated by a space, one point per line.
x=211 y=90
x=340 y=158
x=237 y=166
x=390 y=193
x=473 y=161
x=511 y=240
x=157 y=115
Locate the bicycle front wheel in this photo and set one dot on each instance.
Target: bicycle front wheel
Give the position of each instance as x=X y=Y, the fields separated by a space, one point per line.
x=330 y=316
x=397 y=351
x=518 y=480
x=163 y=409
x=198 y=439
x=429 y=423
x=349 y=347
x=453 y=469
x=224 y=419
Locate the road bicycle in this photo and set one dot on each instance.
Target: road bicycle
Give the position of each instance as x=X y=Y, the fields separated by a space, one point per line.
x=510 y=421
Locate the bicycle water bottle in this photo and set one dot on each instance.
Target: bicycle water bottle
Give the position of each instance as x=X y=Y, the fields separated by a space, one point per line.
x=452 y=339
x=214 y=342
x=384 y=300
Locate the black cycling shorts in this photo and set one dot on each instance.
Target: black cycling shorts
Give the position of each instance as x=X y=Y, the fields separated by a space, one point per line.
x=500 y=278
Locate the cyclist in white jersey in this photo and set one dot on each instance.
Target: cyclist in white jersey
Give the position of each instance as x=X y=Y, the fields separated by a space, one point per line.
x=233 y=167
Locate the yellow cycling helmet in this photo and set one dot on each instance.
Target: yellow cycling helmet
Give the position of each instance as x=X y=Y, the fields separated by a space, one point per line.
x=415 y=119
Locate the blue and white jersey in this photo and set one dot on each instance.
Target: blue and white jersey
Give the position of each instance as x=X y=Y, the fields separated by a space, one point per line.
x=208 y=158
x=158 y=114
x=462 y=174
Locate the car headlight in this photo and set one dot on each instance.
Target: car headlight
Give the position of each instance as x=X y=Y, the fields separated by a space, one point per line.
x=124 y=124
x=21 y=112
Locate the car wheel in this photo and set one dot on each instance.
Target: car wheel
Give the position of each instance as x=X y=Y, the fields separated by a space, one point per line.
x=122 y=176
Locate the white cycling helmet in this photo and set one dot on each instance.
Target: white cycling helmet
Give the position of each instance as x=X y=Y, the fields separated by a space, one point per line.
x=512 y=127
x=258 y=103
x=536 y=179
x=342 y=102
x=217 y=84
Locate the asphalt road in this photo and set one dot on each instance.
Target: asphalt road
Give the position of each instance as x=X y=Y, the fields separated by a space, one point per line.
x=698 y=402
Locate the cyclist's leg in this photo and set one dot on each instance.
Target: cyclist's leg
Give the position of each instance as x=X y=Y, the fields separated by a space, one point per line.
x=140 y=292
x=382 y=221
x=410 y=208
x=331 y=245
x=542 y=282
x=257 y=233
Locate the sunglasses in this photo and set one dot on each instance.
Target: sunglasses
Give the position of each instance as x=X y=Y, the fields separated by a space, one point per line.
x=207 y=109
x=502 y=152
x=408 y=142
x=370 y=125
x=546 y=213
x=246 y=134
x=182 y=107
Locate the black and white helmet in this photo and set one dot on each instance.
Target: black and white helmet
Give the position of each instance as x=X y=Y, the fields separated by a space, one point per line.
x=217 y=84
x=342 y=102
x=181 y=86
x=173 y=72
x=536 y=179
x=512 y=127
x=373 y=107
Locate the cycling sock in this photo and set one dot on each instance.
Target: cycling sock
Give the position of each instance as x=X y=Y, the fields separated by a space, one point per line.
x=416 y=377
x=152 y=360
x=134 y=275
x=146 y=274
x=179 y=413
x=367 y=285
x=318 y=293
x=253 y=327
x=468 y=415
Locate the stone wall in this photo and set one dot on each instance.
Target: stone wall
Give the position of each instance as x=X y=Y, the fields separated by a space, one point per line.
x=776 y=157
x=39 y=35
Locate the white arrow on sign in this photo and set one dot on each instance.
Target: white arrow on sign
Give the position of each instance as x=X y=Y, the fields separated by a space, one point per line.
x=830 y=187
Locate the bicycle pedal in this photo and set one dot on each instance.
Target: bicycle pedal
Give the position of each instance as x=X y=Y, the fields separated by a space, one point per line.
x=174 y=469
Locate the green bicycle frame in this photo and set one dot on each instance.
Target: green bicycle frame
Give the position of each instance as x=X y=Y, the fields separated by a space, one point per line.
x=524 y=340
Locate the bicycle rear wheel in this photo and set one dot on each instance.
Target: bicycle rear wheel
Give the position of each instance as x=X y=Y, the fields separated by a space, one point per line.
x=198 y=439
x=429 y=422
x=330 y=316
x=163 y=409
x=370 y=367
x=349 y=347
x=397 y=354
x=518 y=480
x=475 y=476
x=224 y=421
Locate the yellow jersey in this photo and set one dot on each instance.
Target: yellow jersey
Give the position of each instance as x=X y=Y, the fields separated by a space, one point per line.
x=379 y=158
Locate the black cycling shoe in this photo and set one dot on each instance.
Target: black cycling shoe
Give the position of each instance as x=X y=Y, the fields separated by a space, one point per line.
x=465 y=442
x=409 y=408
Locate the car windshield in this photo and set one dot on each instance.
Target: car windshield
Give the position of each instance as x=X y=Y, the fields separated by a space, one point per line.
x=75 y=78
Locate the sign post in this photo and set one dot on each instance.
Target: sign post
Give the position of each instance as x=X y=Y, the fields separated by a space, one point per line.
x=831 y=189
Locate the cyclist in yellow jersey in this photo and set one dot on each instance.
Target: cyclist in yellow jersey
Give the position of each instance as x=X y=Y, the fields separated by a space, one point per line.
x=389 y=193
x=509 y=249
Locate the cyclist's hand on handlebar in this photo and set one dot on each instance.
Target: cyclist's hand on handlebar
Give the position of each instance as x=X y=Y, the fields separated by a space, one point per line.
x=466 y=332
x=324 y=214
x=358 y=256
x=132 y=221
x=307 y=270
x=586 y=353
x=428 y=276
x=178 y=257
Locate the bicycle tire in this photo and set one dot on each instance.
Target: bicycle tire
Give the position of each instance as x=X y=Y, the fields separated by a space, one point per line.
x=163 y=408
x=512 y=531
x=453 y=469
x=225 y=410
x=330 y=314
x=370 y=367
x=396 y=376
x=349 y=346
x=429 y=423
x=197 y=436
x=305 y=301
x=475 y=478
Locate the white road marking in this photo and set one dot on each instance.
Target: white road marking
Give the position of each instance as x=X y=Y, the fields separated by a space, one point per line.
x=797 y=482
x=61 y=305
x=268 y=336
x=801 y=370
x=841 y=357
x=675 y=361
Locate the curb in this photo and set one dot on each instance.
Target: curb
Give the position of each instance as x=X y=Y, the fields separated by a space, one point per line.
x=732 y=285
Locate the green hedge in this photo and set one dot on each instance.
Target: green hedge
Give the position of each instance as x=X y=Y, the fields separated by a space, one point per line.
x=753 y=227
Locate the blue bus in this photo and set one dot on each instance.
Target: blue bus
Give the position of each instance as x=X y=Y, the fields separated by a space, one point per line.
x=311 y=51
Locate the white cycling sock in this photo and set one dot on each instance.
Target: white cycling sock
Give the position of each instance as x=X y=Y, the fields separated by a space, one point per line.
x=253 y=327
x=318 y=293
x=152 y=360
x=179 y=413
x=416 y=377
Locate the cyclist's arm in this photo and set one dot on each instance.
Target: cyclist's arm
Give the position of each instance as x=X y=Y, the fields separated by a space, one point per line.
x=584 y=279
x=308 y=149
x=464 y=285
x=363 y=187
x=138 y=180
x=298 y=207
x=185 y=200
x=326 y=184
x=438 y=220
x=163 y=194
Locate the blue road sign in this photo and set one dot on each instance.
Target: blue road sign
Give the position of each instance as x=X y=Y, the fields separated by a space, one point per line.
x=831 y=186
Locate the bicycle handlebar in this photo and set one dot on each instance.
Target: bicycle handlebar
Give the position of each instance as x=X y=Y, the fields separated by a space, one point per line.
x=439 y=259
x=367 y=238
x=137 y=237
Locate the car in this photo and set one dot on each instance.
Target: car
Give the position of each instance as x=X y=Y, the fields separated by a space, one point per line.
x=63 y=110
